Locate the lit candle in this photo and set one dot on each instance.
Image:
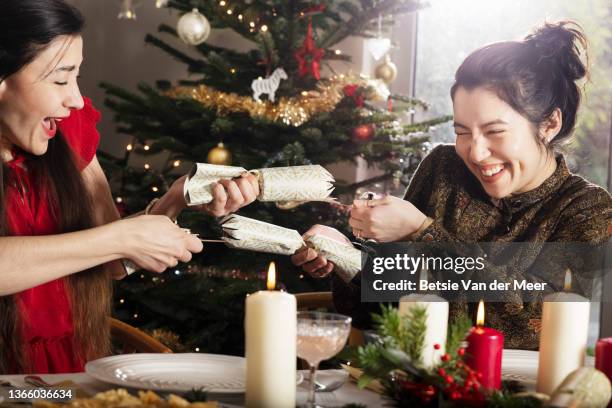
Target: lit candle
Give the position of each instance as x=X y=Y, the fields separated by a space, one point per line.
x=271 y=338
x=563 y=340
x=484 y=352
x=437 y=322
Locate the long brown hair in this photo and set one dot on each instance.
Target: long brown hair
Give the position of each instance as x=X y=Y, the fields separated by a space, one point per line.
x=89 y=291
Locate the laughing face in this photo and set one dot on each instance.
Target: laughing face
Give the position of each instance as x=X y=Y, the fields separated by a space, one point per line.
x=35 y=99
x=498 y=145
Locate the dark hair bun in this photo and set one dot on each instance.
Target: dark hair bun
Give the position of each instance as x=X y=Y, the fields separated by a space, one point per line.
x=559 y=44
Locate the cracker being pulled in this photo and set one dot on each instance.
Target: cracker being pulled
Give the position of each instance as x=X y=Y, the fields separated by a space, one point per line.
x=246 y=233
x=294 y=183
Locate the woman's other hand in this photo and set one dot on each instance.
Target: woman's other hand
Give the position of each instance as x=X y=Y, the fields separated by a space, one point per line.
x=228 y=195
x=310 y=261
x=386 y=220
x=155 y=243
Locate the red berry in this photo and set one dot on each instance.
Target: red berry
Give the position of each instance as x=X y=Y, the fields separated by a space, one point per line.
x=445 y=357
x=461 y=352
x=479 y=376
x=442 y=372
x=437 y=346
x=449 y=379
x=455 y=395
x=476 y=386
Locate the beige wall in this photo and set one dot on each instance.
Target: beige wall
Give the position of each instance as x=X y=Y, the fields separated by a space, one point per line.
x=115 y=52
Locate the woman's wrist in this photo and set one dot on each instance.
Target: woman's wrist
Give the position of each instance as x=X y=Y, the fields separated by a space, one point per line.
x=170 y=204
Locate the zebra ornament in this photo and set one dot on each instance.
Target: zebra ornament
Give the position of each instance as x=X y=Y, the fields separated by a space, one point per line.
x=268 y=85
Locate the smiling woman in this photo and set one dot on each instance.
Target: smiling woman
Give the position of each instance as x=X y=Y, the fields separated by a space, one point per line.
x=61 y=239
x=514 y=103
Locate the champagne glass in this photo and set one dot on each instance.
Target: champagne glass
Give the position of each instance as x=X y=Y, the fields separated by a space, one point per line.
x=320 y=336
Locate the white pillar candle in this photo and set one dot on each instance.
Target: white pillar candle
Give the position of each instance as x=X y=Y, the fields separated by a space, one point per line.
x=437 y=323
x=271 y=339
x=563 y=339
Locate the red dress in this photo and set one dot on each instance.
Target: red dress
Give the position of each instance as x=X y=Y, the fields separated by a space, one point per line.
x=45 y=311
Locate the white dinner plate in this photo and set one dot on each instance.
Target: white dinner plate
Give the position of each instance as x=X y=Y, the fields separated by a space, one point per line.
x=522 y=365
x=179 y=372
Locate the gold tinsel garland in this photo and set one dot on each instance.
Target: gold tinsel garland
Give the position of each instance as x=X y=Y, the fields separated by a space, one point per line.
x=294 y=111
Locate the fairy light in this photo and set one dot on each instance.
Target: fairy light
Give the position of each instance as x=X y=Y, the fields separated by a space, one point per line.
x=129 y=147
x=122 y=301
x=233 y=70
x=252 y=24
x=240 y=17
x=197 y=349
x=337 y=52
x=119 y=199
x=229 y=12
x=135 y=315
x=264 y=28
x=176 y=163
x=304 y=93
x=146 y=147
x=154 y=189
x=147 y=166
x=222 y=3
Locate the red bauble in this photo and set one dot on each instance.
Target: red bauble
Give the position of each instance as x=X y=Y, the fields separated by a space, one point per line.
x=363 y=133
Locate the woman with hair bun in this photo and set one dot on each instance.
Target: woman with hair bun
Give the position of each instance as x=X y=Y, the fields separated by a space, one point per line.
x=504 y=180
x=60 y=234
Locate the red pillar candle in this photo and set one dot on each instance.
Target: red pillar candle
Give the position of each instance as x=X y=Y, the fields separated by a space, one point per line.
x=484 y=352
x=603 y=356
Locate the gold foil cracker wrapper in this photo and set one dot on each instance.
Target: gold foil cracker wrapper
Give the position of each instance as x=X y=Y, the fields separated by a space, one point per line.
x=345 y=257
x=281 y=184
x=246 y=233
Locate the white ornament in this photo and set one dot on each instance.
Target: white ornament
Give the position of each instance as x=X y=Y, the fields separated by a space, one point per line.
x=268 y=85
x=193 y=28
x=378 y=47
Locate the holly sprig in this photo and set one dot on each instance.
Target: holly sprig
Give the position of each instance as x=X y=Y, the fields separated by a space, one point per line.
x=394 y=359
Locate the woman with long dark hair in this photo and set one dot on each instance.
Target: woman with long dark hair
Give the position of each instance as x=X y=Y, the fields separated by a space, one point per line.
x=504 y=180
x=61 y=239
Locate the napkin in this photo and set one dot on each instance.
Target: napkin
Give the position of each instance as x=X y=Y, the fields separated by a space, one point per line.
x=294 y=183
x=246 y=233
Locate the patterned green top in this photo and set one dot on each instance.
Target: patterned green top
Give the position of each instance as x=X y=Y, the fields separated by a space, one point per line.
x=565 y=208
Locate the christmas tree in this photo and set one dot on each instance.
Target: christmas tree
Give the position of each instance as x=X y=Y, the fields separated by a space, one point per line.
x=279 y=104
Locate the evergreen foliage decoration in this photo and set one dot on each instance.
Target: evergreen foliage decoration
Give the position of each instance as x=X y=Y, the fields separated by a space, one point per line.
x=172 y=131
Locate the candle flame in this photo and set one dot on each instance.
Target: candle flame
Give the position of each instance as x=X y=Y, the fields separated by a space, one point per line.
x=271 y=283
x=480 y=314
x=567 y=286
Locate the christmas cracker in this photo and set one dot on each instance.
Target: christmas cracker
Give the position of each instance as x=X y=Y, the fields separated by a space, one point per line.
x=280 y=184
x=246 y=233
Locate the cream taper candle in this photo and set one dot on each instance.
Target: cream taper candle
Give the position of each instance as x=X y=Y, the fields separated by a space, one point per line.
x=271 y=341
x=563 y=339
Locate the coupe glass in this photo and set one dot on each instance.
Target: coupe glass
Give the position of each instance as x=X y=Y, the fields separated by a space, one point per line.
x=320 y=336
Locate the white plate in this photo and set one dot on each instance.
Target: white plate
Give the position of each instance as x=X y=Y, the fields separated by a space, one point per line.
x=522 y=365
x=179 y=372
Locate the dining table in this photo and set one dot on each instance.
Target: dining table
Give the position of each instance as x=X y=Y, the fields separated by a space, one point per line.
x=348 y=393
x=517 y=365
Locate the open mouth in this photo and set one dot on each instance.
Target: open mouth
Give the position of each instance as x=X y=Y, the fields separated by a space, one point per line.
x=50 y=126
x=492 y=172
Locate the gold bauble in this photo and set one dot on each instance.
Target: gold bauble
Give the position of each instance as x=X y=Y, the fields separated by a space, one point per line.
x=220 y=155
x=386 y=70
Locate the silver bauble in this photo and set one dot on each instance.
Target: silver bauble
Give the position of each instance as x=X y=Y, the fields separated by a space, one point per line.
x=193 y=28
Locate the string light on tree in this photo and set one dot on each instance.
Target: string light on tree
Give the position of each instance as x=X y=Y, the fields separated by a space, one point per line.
x=129 y=147
x=147 y=166
x=193 y=27
x=176 y=163
x=147 y=147
x=128 y=10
